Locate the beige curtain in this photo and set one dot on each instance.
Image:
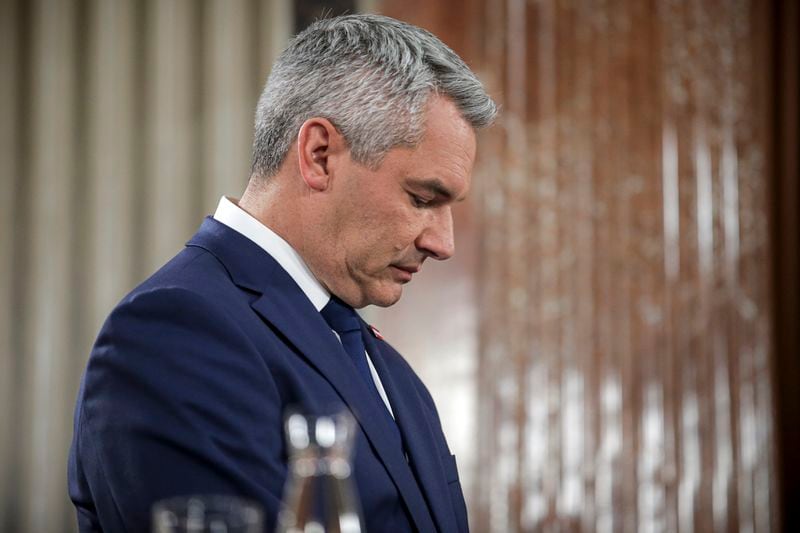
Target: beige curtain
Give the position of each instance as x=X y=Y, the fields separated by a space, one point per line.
x=121 y=124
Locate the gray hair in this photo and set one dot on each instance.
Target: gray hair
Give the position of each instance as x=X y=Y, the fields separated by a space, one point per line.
x=371 y=76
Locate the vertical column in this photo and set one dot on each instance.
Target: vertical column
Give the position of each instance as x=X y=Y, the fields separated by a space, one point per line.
x=753 y=303
x=670 y=89
x=111 y=131
x=491 y=489
x=786 y=284
x=46 y=413
x=532 y=60
x=171 y=120
x=227 y=104
x=274 y=25
x=580 y=209
x=647 y=260
x=277 y=24
x=609 y=395
x=717 y=102
x=518 y=378
x=9 y=150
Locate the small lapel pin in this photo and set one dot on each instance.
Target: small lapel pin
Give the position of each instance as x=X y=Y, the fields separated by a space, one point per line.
x=376 y=333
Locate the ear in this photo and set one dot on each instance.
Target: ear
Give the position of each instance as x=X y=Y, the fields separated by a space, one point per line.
x=318 y=145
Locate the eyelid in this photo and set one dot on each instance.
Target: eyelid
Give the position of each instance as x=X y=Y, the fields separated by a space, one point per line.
x=420 y=201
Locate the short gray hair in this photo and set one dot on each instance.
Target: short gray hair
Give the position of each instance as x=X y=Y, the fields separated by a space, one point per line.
x=371 y=76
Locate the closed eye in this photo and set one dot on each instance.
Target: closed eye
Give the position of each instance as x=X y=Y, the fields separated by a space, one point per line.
x=430 y=192
x=419 y=201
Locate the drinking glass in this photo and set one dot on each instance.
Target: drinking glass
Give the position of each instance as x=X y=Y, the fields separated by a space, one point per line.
x=207 y=514
x=320 y=494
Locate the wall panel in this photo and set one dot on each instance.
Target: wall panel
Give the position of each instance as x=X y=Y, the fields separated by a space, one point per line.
x=625 y=303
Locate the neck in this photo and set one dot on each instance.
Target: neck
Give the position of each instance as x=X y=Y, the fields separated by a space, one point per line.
x=262 y=199
x=281 y=204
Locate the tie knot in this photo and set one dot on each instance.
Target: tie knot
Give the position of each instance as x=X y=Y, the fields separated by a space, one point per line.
x=340 y=317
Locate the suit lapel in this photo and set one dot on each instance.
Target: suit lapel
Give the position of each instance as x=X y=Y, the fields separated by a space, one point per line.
x=283 y=305
x=417 y=433
x=321 y=348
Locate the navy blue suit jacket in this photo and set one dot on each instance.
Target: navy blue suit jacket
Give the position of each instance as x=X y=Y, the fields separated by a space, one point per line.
x=188 y=382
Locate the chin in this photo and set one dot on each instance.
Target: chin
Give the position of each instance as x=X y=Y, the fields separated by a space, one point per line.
x=385 y=297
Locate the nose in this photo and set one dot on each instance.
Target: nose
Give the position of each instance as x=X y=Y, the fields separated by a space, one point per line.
x=436 y=239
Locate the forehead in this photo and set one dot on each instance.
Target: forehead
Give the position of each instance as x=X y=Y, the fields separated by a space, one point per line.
x=447 y=150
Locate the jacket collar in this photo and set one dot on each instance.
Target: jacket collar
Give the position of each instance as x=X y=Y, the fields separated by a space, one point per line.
x=284 y=305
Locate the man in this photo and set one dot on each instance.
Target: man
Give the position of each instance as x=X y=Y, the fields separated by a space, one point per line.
x=364 y=140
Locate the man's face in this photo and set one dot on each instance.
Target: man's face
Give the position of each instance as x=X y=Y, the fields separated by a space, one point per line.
x=384 y=223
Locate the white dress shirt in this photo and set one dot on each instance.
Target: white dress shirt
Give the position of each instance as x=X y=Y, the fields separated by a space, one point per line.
x=236 y=218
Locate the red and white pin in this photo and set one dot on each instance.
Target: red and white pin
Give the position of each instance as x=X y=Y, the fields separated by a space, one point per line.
x=376 y=332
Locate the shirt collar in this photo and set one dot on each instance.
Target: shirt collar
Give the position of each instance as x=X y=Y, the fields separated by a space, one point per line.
x=239 y=220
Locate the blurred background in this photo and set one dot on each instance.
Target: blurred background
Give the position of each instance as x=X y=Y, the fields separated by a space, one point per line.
x=614 y=347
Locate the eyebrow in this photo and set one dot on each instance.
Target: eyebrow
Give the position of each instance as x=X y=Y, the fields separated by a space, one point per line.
x=436 y=186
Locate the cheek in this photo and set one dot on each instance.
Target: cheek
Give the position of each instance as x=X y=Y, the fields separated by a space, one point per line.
x=378 y=244
x=382 y=230
x=397 y=232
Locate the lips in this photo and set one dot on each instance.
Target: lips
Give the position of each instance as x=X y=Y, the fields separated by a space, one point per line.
x=404 y=272
x=411 y=269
